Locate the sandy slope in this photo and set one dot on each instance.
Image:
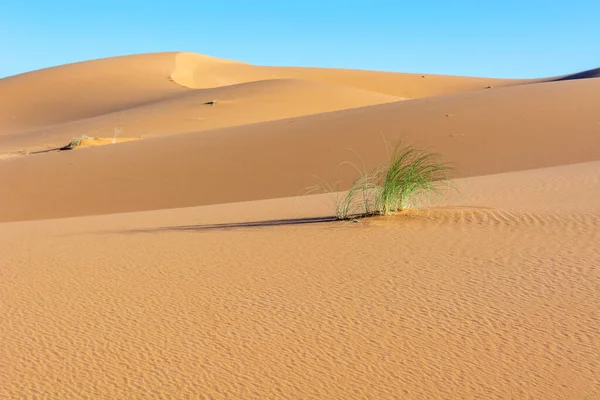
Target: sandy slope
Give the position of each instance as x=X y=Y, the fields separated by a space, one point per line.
x=192 y=70
x=496 y=298
x=189 y=112
x=82 y=90
x=161 y=94
x=482 y=132
x=492 y=293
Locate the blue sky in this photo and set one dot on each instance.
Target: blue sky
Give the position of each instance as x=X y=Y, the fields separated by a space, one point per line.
x=525 y=38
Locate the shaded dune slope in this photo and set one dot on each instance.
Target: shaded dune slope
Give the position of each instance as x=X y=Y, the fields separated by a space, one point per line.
x=483 y=132
x=589 y=74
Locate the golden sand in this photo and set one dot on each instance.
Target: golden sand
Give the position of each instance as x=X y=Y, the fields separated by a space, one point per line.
x=217 y=280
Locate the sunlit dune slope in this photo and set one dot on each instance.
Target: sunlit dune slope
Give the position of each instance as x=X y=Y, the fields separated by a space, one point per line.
x=192 y=71
x=98 y=96
x=495 y=299
x=202 y=109
x=69 y=92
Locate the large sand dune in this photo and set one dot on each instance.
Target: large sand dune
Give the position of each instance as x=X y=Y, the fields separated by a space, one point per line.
x=163 y=94
x=482 y=132
x=248 y=292
x=89 y=89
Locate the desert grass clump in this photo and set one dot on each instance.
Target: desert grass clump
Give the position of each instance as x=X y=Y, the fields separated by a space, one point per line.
x=410 y=176
x=411 y=173
x=75 y=142
x=357 y=199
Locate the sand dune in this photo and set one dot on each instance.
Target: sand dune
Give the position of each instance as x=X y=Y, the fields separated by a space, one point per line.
x=41 y=108
x=192 y=111
x=217 y=279
x=70 y=92
x=162 y=94
x=493 y=299
x=482 y=132
x=194 y=71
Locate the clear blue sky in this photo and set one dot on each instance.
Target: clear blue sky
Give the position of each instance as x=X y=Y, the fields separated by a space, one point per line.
x=510 y=38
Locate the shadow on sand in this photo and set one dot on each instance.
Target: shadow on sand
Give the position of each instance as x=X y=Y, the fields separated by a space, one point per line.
x=237 y=225
x=589 y=74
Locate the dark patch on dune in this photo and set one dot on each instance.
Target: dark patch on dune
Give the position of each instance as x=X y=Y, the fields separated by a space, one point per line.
x=591 y=73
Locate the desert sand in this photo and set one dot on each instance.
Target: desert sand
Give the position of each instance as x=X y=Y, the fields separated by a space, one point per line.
x=186 y=259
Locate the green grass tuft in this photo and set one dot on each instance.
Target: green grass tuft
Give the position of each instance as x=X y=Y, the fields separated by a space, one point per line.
x=357 y=200
x=411 y=175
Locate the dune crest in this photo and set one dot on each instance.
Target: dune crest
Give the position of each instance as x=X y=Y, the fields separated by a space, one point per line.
x=39 y=99
x=198 y=71
x=202 y=72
